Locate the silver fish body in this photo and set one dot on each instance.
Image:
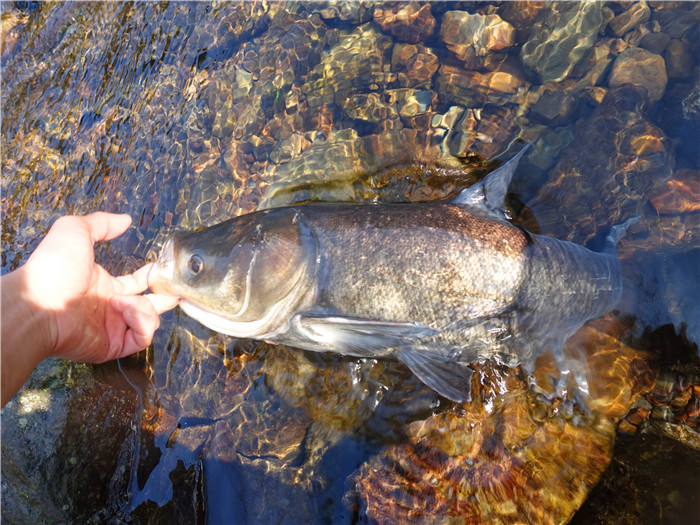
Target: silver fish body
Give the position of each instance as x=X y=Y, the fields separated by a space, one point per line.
x=436 y=285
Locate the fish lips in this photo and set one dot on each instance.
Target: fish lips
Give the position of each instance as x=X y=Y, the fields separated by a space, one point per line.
x=160 y=276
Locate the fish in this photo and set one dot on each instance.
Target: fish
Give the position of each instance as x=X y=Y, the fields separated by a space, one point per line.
x=439 y=286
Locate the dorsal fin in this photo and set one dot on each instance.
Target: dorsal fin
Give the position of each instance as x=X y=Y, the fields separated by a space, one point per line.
x=616 y=232
x=489 y=194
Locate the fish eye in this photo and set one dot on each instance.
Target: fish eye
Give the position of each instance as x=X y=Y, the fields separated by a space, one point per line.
x=195 y=264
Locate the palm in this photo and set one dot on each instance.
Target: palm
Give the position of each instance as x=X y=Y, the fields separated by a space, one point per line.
x=66 y=281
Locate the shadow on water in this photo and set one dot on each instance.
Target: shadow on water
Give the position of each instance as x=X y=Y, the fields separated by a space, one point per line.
x=186 y=114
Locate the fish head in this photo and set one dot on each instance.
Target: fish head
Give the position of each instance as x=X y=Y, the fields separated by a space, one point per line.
x=242 y=277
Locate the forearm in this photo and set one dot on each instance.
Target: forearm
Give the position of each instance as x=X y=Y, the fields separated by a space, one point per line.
x=25 y=338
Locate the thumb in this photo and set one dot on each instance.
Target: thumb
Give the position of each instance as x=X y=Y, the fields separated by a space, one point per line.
x=105 y=226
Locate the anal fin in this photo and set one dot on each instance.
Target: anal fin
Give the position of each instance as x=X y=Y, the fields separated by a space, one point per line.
x=448 y=378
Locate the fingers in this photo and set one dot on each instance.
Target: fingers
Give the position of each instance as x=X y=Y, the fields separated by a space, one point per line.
x=134 y=283
x=141 y=321
x=105 y=226
x=162 y=303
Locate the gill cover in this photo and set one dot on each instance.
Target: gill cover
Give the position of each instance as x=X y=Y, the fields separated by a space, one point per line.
x=244 y=276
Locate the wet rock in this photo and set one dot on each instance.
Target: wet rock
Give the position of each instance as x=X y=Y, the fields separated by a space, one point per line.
x=341 y=155
x=655 y=42
x=473 y=89
x=691 y=104
x=561 y=34
x=409 y=22
x=357 y=12
x=677 y=21
x=641 y=465
x=289 y=148
x=485 y=132
x=555 y=106
x=679 y=195
x=679 y=60
x=369 y=107
x=10 y=30
x=63 y=411
x=674 y=222
x=512 y=462
x=640 y=67
x=416 y=61
x=357 y=59
x=468 y=35
x=615 y=140
x=595 y=64
x=521 y=14
x=636 y=14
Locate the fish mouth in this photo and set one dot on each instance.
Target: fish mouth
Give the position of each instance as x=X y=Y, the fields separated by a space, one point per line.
x=161 y=274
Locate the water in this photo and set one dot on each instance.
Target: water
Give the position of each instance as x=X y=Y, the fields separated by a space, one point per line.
x=186 y=114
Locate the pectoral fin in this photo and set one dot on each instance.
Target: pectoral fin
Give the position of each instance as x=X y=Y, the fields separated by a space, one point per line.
x=448 y=378
x=360 y=337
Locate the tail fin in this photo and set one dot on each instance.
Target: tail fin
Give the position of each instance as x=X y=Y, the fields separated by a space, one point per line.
x=616 y=232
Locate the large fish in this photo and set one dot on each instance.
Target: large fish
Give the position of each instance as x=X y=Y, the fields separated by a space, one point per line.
x=436 y=285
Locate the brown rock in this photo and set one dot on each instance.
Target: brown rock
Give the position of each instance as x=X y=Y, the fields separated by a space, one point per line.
x=407 y=22
x=616 y=140
x=679 y=61
x=555 y=106
x=466 y=34
x=678 y=195
x=655 y=42
x=640 y=67
x=521 y=13
x=467 y=88
x=417 y=61
x=635 y=15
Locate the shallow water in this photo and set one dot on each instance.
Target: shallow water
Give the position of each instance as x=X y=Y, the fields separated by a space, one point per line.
x=186 y=114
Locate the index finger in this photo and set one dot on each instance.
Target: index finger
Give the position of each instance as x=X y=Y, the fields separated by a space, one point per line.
x=136 y=282
x=105 y=226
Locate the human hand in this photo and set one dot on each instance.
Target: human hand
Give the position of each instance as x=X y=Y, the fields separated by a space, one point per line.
x=92 y=316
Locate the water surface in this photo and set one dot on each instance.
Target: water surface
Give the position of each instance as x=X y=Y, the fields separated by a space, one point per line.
x=186 y=114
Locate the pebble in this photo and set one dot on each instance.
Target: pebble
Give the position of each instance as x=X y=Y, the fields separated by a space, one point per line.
x=640 y=67
x=466 y=34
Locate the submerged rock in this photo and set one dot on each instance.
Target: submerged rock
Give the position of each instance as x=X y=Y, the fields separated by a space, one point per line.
x=357 y=12
x=560 y=36
x=467 y=35
x=636 y=14
x=508 y=460
x=356 y=60
x=642 y=68
x=409 y=22
x=679 y=60
x=474 y=89
x=417 y=62
x=616 y=140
